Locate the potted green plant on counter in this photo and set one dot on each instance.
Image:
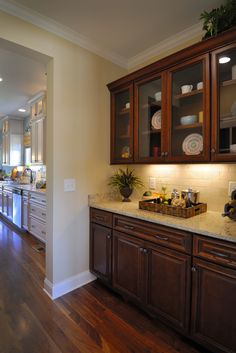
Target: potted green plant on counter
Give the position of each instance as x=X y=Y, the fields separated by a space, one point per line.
x=125 y=181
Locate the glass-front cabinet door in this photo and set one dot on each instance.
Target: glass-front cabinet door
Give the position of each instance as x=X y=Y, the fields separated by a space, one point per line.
x=149 y=119
x=122 y=125
x=188 y=107
x=224 y=104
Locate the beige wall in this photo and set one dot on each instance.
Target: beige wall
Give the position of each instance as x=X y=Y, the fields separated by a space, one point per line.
x=77 y=139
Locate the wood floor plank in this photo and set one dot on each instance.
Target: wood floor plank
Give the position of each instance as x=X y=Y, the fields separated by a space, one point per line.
x=91 y=319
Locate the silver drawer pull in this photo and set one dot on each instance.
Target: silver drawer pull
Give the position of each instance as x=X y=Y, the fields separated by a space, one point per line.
x=32 y=209
x=32 y=226
x=126 y=226
x=215 y=253
x=161 y=237
x=43 y=232
x=43 y=214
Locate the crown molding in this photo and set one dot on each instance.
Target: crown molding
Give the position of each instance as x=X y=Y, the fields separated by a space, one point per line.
x=60 y=30
x=165 y=45
x=44 y=22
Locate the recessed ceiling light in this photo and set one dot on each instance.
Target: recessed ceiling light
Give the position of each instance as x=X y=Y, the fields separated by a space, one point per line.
x=224 y=60
x=21 y=110
x=1 y=79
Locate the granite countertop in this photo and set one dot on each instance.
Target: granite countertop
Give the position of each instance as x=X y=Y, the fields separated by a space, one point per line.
x=211 y=224
x=27 y=187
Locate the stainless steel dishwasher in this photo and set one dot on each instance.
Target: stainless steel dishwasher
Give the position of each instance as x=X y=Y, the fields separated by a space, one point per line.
x=17 y=207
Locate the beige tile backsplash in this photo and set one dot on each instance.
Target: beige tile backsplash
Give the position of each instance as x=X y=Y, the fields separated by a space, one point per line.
x=211 y=180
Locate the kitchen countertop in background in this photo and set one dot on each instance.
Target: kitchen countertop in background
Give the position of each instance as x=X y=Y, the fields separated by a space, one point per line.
x=211 y=224
x=28 y=187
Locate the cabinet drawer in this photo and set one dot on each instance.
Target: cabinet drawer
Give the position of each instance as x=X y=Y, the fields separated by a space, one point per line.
x=169 y=237
x=38 y=228
x=38 y=198
x=215 y=250
x=37 y=211
x=101 y=217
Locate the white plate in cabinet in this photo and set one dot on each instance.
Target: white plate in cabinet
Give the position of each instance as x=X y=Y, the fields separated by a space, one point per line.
x=37 y=228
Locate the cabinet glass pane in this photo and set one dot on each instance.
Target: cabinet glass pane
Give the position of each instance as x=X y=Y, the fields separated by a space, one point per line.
x=122 y=125
x=187 y=111
x=149 y=115
x=226 y=63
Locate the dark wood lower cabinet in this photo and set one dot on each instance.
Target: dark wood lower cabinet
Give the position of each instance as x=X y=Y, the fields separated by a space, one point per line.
x=127 y=274
x=168 y=293
x=100 y=251
x=189 y=285
x=214 y=306
x=159 y=278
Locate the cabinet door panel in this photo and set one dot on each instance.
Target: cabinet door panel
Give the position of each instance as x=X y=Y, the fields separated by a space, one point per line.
x=122 y=125
x=169 y=286
x=224 y=104
x=100 y=251
x=40 y=141
x=213 y=308
x=150 y=119
x=189 y=115
x=127 y=265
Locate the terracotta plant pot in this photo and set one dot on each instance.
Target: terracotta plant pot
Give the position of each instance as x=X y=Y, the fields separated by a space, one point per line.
x=126 y=192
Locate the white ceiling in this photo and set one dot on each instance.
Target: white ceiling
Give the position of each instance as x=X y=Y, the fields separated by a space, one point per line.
x=24 y=74
x=126 y=32
x=120 y=29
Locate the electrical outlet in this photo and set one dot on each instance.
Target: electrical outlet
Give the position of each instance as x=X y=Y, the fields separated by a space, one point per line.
x=232 y=186
x=69 y=185
x=152 y=183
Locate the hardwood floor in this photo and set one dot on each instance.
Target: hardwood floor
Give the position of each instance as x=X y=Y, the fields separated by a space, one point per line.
x=90 y=319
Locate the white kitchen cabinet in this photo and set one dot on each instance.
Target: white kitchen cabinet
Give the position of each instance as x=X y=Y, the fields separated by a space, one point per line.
x=38 y=141
x=7 y=203
x=25 y=210
x=37 y=215
x=38 y=128
x=12 y=141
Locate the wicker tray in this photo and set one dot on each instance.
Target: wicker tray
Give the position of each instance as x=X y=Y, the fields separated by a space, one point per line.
x=153 y=206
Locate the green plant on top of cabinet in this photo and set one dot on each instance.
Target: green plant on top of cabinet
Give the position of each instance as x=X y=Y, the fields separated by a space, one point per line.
x=224 y=104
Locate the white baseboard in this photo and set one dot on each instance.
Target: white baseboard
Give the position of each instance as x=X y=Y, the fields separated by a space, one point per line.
x=56 y=290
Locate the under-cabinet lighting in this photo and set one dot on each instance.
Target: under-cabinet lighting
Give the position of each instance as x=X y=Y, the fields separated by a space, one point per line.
x=21 y=110
x=224 y=60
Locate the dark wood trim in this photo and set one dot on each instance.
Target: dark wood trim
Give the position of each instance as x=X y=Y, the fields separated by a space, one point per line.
x=215 y=156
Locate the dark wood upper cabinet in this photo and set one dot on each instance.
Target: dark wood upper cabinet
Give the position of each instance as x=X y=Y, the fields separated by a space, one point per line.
x=122 y=125
x=151 y=129
x=224 y=104
x=188 y=92
x=150 y=124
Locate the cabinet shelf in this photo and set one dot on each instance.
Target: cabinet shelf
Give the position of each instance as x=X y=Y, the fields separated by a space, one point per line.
x=189 y=94
x=190 y=126
x=123 y=137
x=124 y=111
x=228 y=83
x=148 y=132
x=156 y=104
x=228 y=121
